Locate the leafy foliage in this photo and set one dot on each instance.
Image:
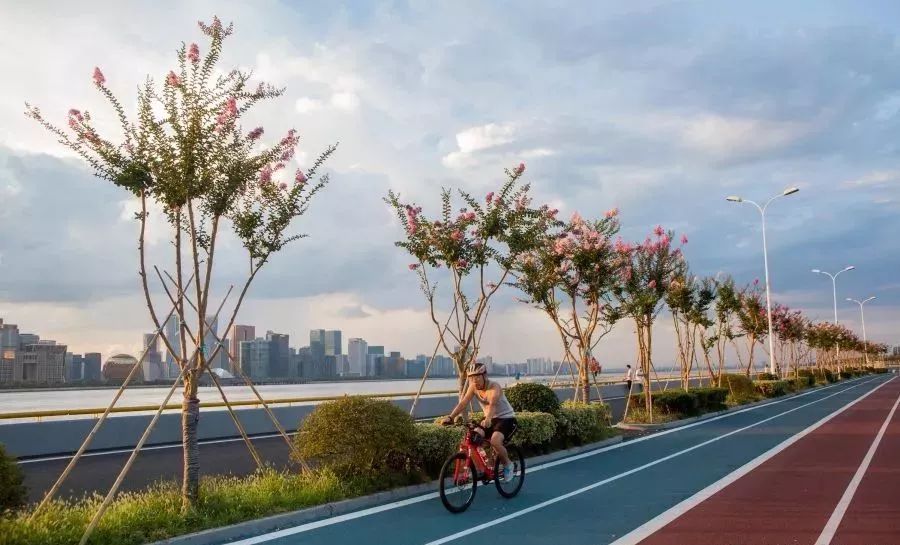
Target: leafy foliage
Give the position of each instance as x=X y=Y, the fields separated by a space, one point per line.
x=12 y=489
x=531 y=396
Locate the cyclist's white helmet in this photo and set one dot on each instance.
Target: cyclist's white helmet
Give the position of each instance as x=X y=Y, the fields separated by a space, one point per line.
x=476 y=369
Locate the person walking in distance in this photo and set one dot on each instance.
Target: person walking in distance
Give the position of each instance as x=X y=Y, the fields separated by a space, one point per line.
x=629 y=377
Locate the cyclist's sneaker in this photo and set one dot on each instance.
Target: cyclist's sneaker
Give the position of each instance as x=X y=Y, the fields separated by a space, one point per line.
x=507 y=472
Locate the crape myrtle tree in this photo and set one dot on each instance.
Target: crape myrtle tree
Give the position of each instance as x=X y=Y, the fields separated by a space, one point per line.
x=726 y=308
x=789 y=327
x=570 y=275
x=689 y=299
x=642 y=288
x=752 y=324
x=478 y=245
x=188 y=152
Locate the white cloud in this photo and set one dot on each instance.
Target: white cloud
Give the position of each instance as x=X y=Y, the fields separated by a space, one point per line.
x=305 y=105
x=346 y=101
x=875 y=179
x=484 y=137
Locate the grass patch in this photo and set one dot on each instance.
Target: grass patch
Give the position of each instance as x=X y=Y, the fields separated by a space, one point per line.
x=155 y=513
x=638 y=415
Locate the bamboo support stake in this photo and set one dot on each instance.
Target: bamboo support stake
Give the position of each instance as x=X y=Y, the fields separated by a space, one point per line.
x=134 y=453
x=253 y=452
x=259 y=397
x=437 y=347
x=90 y=437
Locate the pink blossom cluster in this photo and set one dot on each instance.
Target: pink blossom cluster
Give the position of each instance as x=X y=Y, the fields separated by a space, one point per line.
x=520 y=169
x=172 y=80
x=299 y=177
x=209 y=30
x=489 y=197
x=412 y=218
x=611 y=213
x=413 y=266
x=99 y=78
x=265 y=175
x=194 y=53
x=78 y=123
x=227 y=114
x=288 y=143
x=255 y=133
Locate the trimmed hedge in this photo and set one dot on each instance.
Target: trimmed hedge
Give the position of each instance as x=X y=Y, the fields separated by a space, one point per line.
x=12 y=492
x=581 y=423
x=740 y=389
x=434 y=444
x=772 y=388
x=532 y=397
x=357 y=435
x=711 y=399
x=766 y=376
x=845 y=374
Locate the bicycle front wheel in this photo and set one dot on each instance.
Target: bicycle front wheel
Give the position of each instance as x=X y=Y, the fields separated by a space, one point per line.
x=459 y=481
x=511 y=486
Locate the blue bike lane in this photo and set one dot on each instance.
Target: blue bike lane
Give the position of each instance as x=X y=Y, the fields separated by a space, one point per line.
x=594 y=497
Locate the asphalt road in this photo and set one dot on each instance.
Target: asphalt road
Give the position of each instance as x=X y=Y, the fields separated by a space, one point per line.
x=97 y=471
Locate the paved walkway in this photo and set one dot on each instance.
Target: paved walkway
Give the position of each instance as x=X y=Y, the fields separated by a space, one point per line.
x=821 y=467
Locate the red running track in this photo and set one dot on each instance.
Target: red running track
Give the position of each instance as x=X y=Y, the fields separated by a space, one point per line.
x=873 y=517
x=789 y=498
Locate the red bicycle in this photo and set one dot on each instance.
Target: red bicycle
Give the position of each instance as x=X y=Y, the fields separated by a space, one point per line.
x=462 y=471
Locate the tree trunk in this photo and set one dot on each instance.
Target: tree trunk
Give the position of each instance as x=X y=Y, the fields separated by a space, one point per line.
x=190 y=416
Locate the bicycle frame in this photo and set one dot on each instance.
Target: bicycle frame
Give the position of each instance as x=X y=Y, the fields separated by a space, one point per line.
x=472 y=453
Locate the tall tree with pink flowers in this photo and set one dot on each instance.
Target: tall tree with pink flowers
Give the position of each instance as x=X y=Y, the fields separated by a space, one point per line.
x=654 y=264
x=188 y=151
x=571 y=276
x=476 y=243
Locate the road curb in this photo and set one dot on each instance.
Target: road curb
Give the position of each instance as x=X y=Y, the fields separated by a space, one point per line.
x=224 y=534
x=705 y=416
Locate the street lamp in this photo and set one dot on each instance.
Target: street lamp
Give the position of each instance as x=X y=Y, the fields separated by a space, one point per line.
x=862 y=316
x=834 y=284
x=762 y=213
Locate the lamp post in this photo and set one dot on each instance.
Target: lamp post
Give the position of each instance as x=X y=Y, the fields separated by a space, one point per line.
x=862 y=316
x=762 y=213
x=837 y=348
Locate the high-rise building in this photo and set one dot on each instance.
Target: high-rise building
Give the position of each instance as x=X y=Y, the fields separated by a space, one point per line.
x=74 y=367
x=333 y=344
x=152 y=364
x=28 y=338
x=255 y=358
x=117 y=368
x=395 y=366
x=317 y=347
x=41 y=363
x=236 y=335
x=357 y=350
x=9 y=336
x=92 y=365
x=210 y=343
x=375 y=361
x=173 y=335
x=9 y=346
x=279 y=354
x=416 y=368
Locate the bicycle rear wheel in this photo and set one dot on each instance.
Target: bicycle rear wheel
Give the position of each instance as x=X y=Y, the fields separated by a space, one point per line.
x=511 y=487
x=459 y=482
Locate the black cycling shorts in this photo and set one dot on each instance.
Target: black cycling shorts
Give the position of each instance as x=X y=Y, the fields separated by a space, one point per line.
x=506 y=426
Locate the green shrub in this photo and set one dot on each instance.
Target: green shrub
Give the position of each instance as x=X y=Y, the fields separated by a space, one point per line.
x=710 y=399
x=830 y=376
x=740 y=389
x=357 y=435
x=580 y=423
x=535 y=429
x=845 y=374
x=772 y=388
x=676 y=402
x=808 y=376
x=434 y=444
x=797 y=384
x=766 y=376
x=533 y=397
x=12 y=492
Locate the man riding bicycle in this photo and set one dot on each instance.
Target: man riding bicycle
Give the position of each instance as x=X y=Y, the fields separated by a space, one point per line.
x=499 y=421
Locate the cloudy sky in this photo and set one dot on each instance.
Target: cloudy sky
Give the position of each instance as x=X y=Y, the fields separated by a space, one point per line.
x=659 y=108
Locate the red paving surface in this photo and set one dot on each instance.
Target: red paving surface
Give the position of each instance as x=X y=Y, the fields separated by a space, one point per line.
x=789 y=498
x=873 y=517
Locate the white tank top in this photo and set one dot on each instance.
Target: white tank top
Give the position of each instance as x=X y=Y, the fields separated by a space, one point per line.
x=503 y=410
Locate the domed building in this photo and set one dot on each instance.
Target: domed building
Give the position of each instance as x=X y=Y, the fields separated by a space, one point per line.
x=116 y=369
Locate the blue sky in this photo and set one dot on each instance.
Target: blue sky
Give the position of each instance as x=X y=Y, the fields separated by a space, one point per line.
x=659 y=108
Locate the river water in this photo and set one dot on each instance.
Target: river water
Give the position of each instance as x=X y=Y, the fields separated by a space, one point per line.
x=71 y=398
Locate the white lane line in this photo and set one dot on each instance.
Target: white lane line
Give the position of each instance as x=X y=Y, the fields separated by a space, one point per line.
x=262 y=538
x=835 y=520
x=624 y=474
x=154 y=447
x=657 y=523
